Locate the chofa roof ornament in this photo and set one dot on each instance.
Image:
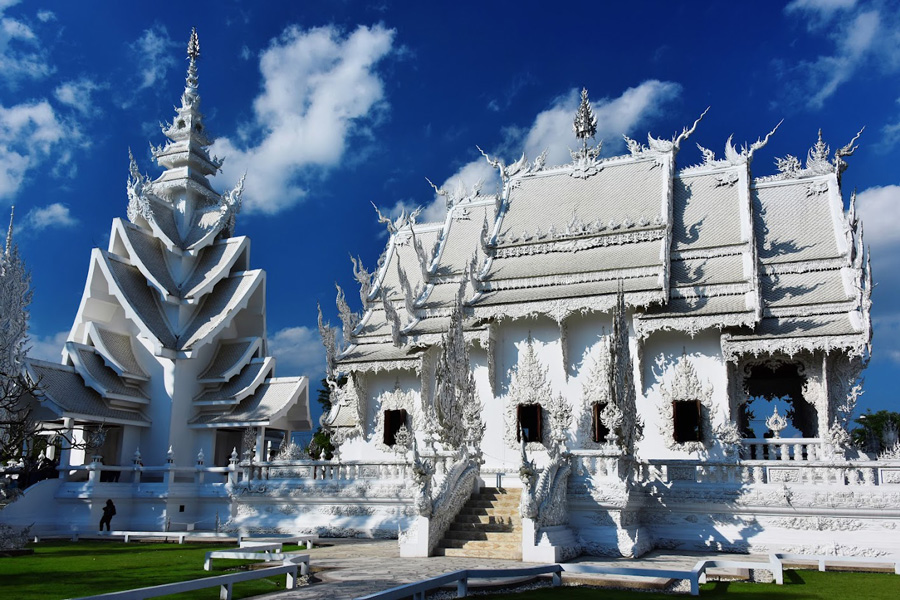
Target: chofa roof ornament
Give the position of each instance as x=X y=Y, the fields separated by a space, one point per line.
x=585 y=124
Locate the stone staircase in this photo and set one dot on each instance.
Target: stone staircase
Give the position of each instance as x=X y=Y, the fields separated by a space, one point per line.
x=488 y=526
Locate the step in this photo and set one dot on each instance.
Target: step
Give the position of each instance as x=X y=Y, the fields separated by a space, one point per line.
x=501 y=545
x=485 y=527
x=514 y=520
x=510 y=505
x=475 y=553
x=488 y=510
x=496 y=536
x=501 y=491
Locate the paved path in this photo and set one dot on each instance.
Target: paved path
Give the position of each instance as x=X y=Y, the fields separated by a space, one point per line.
x=354 y=568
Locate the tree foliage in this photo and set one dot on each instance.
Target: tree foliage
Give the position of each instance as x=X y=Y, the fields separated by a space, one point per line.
x=17 y=427
x=877 y=431
x=321 y=446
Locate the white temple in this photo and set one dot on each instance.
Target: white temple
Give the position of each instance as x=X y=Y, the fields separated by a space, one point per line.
x=606 y=357
x=166 y=365
x=607 y=343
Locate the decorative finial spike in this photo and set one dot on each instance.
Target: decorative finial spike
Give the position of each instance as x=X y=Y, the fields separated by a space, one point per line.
x=193 y=53
x=585 y=124
x=12 y=212
x=193 y=48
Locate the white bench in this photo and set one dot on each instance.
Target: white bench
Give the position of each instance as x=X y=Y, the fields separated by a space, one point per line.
x=695 y=576
x=308 y=540
x=259 y=551
x=822 y=560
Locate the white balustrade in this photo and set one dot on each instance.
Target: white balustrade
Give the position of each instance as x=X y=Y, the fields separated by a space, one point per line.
x=792 y=449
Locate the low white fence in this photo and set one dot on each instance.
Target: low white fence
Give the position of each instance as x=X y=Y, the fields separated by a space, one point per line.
x=797 y=449
x=761 y=472
x=419 y=589
x=224 y=582
x=695 y=576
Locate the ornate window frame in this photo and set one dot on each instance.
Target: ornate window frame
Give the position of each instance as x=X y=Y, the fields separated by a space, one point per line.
x=596 y=390
x=686 y=386
x=529 y=385
x=395 y=399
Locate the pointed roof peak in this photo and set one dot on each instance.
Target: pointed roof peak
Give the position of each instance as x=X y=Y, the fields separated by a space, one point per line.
x=585 y=124
x=193 y=53
x=9 y=234
x=193 y=48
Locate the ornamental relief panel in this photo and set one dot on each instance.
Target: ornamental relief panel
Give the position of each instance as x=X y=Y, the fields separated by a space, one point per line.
x=686 y=387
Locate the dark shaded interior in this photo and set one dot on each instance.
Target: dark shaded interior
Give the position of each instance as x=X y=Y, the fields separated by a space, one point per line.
x=530 y=423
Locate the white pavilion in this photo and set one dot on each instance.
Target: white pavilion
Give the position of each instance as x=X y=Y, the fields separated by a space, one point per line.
x=166 y=367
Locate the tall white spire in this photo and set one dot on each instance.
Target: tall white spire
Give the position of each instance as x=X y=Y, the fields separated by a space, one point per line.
x=191 y=84
x=12 y=212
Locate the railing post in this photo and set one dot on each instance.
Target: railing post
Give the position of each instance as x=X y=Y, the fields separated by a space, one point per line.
x=462 y=587
x=232 y=467
x=225 y=591
x=290 y=581
x=96 y=465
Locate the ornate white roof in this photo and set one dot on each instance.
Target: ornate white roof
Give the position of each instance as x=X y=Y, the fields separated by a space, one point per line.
x=704 y=247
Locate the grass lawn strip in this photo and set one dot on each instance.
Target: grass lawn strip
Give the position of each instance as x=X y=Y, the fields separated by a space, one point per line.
x=61 y=569
x=799 y=584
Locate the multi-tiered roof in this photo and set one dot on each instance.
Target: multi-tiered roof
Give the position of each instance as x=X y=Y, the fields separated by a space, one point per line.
x=175 y=284
x=774 y=263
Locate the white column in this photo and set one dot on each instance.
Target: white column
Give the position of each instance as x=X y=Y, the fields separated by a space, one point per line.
x=65 y=454
x=261 y=444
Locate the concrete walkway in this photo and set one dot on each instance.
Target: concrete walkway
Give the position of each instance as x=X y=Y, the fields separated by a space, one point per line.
x=353 y=568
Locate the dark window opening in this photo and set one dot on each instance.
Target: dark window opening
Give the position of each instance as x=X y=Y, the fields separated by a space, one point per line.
x=393 y=421
x=687 y=416
x=599 y=431
x=530 y=426
x=777 y=385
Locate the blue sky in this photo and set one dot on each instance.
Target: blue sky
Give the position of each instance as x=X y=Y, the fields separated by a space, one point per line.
x=332 y=106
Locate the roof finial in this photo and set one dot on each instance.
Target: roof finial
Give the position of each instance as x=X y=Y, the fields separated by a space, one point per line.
x=193 y=52
x=12 y=212
x=585 y=124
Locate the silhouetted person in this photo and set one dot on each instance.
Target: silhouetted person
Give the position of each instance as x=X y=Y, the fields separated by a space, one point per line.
x=109 y=512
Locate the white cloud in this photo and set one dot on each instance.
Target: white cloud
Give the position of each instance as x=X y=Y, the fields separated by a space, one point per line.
x=298 y=351
x=320 y=88
x=154 y=56
x=822 y=7
x=21 y=54
x=879 y=209
x=552 y=128
x=50 y=216
x=859 y=36
x=890 y=134
x=552 y=131
x=48 y=347
x=77 y=94
x=45 y=16
x=29 y=133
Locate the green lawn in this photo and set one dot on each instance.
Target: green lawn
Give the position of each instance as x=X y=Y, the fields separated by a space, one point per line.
x=60 y=569
x=802 y=585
